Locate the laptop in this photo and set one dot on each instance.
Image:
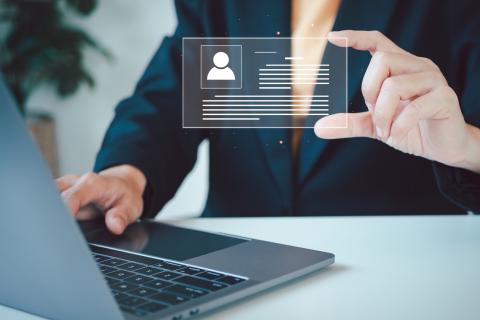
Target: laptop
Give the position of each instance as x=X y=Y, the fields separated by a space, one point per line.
x=52 y=267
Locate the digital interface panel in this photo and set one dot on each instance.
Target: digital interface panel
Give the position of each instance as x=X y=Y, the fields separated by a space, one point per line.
x=249 y=82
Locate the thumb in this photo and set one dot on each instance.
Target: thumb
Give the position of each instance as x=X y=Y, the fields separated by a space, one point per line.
x=119 y=217
x=345 y=125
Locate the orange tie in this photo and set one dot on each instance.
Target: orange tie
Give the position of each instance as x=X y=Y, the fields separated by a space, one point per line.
x=310 y=18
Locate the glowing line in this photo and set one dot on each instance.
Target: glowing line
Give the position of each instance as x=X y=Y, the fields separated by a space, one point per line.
x=294 y=78
x=294 y=83
x=265 y=114
x=270 y=96
x=294 y=69
x=295 y=74
x=296 y=64
x=230 y=118
x=265 y=105
x=263 y=100
x=275 y=87
x=225 y=109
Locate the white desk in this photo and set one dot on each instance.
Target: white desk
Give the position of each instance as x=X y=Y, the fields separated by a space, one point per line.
x=386 y=268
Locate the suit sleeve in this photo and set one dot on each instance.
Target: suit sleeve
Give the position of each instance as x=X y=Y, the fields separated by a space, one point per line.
x=146 y=131
x=461 y=186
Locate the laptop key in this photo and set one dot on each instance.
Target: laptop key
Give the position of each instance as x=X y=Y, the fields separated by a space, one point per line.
x=138 y=279
x=111 y=281
x=158 y=264
x=152 y=307
x=131 y=266
x=142 y=292
x=168 y=265
x=157 y=284
x=119 y=295
x=172 y=266
x=230 y=280
x=120 y=274
x=106 y=269
x=204 y=284
x=210 y=275
x=126 y=309
x=114 y=262
x=169 y=298
x=168 y=275
x=124 y=286
x=190 y=270
x=132 y=301
x=100 y=258
x=148 y=271
x=187 y=291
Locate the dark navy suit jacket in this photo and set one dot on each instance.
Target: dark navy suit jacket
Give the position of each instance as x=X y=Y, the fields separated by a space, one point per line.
x=251 y=173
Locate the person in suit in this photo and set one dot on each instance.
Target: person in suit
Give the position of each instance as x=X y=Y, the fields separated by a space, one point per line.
x=412 y=145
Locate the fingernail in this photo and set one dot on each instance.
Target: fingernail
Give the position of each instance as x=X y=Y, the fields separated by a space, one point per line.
x=369 y=106
x=379 y=132
x=332 y=34
x=118 y=222
x=390 y=140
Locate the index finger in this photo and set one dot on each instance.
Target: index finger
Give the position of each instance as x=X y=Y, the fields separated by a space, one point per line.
x=65 y=182
x=89 y=189
x=371 y=41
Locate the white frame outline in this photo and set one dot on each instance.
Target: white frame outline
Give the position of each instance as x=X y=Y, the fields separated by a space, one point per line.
x=201 y=65
x=260 y=127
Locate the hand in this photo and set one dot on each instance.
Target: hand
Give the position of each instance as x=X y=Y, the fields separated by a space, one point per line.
x=117 y=191
x=410 y=105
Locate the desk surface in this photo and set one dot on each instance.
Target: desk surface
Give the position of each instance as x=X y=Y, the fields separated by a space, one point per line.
x=386 y=268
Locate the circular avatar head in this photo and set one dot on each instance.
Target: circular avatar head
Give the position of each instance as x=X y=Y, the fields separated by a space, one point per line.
x=220 y=60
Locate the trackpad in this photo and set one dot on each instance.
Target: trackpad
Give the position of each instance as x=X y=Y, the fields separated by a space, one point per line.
x=163 y=240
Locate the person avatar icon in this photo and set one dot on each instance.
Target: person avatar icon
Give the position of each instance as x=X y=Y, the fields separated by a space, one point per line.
x=220 y=71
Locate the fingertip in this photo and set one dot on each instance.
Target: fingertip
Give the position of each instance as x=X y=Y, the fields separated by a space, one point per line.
x=115 y=223
x=339 y=42
x=70 y=203
x=330 y=127
x=333 y=34
x=58 y=184
x=369 y=106
x=319 y=128
x=65 y=182
x=338 y=38
x=382 y=128
x=62 y=185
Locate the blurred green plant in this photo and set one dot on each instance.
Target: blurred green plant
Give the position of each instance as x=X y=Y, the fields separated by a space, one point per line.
x=38 y=46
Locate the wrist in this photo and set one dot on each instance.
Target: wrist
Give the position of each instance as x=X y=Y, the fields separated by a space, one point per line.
x=472 y=154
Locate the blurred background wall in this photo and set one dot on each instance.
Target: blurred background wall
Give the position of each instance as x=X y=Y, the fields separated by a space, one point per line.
x=132 y=33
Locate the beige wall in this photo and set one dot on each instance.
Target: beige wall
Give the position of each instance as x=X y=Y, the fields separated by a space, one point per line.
x=132 y=31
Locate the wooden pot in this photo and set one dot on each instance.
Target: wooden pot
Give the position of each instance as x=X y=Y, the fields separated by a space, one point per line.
x=42 y=127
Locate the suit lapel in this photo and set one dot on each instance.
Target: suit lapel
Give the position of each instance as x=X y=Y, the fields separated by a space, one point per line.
x=352 y=14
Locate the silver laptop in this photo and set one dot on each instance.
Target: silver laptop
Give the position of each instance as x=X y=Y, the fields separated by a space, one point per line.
x=52 y=268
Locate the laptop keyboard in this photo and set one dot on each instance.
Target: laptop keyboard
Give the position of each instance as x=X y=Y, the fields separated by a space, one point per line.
x=143 y=285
